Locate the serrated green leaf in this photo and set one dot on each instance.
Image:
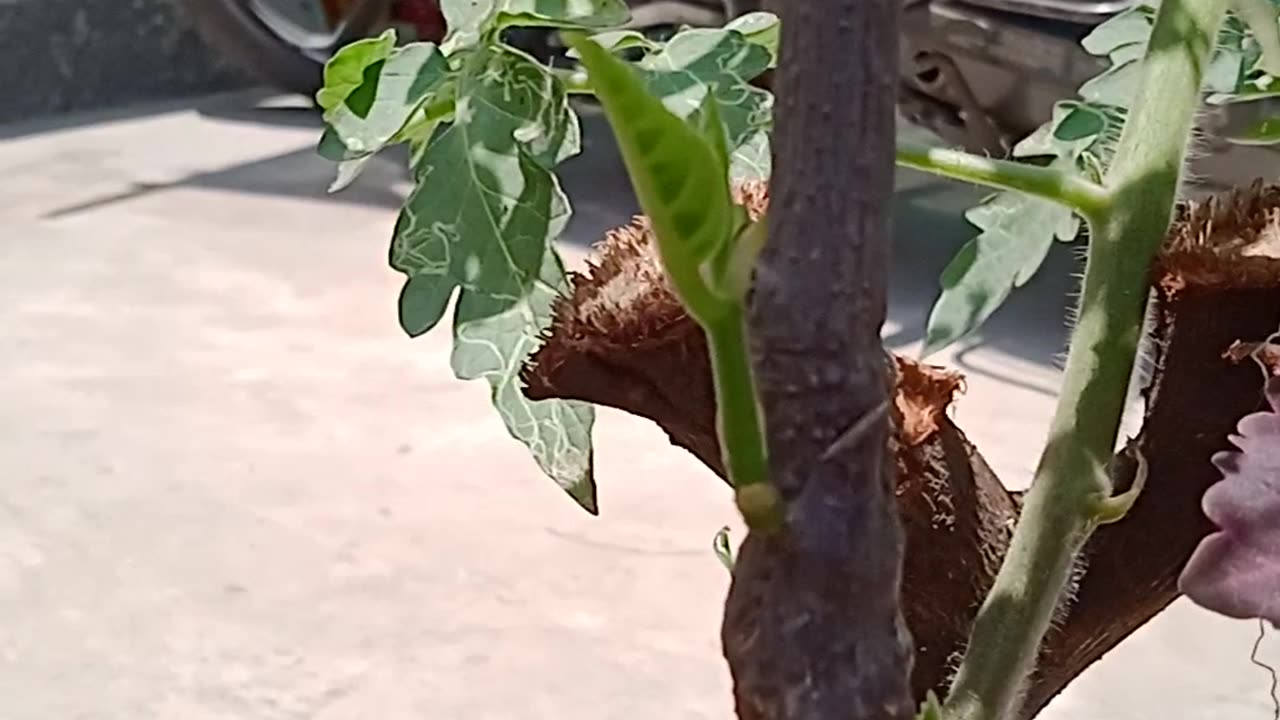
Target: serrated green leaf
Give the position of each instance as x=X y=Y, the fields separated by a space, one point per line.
x=376 y=113
x=480 y=222
x=345 y=71
x=470 y=20
x=492 y=340
x=466 y=21
x=578 y=14
x=722 y=62
x=679 y=180
x=695 y=62
x=1017 y=232
x=760 y=28
x=1081 y=123
x=1127 y=28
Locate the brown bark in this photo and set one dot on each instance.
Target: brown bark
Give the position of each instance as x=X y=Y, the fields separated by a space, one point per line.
x=812 y=625
x=622 y=340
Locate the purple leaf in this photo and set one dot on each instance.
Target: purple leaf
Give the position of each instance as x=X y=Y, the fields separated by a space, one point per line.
x=1236 y=571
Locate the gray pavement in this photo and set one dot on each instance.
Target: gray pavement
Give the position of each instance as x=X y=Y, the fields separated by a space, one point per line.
x=231 y=489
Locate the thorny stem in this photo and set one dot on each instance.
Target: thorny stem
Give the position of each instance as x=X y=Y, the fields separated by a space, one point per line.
x=1060 y=510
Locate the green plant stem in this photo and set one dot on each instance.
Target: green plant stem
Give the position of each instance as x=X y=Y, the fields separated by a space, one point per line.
x=738 y=421
x=1061 y=509
x=1067 y=188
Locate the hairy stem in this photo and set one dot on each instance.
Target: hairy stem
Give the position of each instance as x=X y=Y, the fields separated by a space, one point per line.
x=1067 y=188
x=1060 y=510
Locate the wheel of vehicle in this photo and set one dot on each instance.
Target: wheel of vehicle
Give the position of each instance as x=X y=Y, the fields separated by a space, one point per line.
x=284 y=43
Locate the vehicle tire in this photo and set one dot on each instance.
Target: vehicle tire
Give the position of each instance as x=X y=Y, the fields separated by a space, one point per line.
x=234 y=29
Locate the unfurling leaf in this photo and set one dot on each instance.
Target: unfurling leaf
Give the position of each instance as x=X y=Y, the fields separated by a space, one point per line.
x=679 y=179
x=1236 y=571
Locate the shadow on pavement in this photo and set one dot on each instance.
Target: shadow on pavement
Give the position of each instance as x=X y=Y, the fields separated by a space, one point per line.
x=929 y=227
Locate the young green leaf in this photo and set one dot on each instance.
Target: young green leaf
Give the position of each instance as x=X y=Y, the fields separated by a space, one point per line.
x=480 y=223
x=394 y=87
x=680 y=182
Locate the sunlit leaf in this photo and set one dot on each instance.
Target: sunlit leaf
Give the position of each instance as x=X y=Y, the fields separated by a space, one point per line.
x=396 y=84
x=760 y=28
x=703 y=60
x=345 y=71
x=1236 y=570
x=580 y=14
x=679 y=178
x=492 y=339
x=480 y=223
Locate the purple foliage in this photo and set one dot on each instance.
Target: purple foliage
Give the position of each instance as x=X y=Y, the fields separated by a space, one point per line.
x=1236 y=571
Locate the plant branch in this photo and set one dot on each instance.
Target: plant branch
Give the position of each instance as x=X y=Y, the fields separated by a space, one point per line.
x=1060 y=510
x=738 y=419
x=1078 y=193
x=813 y=627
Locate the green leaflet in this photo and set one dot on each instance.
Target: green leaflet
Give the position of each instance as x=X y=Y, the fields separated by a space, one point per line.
x=394 y=84
x=481 y=219
x=345 y=71
x=469 y=20
x=760 y=28
x=680 y=175
x=1018 y=230
x=492 y=340
x=679 y=179
x=487 y=125
x=719 y=61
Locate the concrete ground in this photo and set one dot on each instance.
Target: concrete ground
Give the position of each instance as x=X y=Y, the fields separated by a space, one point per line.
x=231 y=489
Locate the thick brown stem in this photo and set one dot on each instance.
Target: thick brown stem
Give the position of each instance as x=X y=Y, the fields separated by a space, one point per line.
x=812 y=626
x=622 y=340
